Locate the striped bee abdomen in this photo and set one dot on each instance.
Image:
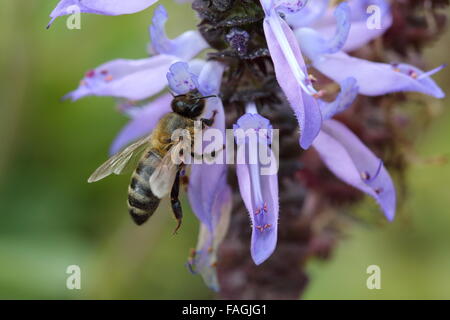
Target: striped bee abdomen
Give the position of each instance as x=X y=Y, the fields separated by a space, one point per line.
x=141 y=201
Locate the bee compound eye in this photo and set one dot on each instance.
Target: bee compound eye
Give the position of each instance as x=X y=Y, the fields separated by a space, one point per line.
x=180 y=104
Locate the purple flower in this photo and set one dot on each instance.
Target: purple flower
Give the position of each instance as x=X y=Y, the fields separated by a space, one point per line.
x=360 y=34
x=348 y=158
x=318 y=15
x=309 y=15
x=122 y=78
x=143 y=78
x=185 y=46
x=348 y=93
x=352 y=162
x=180 y=79
x=390 y=77
x=259 y=190
x=104 y=7
x=327 y=57
x=203 y=259
x=290 y=68
x=324 y=36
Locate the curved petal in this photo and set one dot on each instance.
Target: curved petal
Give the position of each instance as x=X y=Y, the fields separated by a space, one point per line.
x=314 y=44
x=122 y=78
x=288 y=6
x=143 y=121
x=362 y=30
x=342 y=15
x=311 y=13
x=389 y=78
x=352 y=162
x=292 y=79
x=348 y=93
x=104 y=7
x=186 y=46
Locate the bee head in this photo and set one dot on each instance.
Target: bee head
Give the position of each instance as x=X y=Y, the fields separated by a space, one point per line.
x=190 y=105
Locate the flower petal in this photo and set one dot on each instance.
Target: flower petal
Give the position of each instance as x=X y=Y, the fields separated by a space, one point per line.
x=186 y=46
x=389 y=78
x=311 y=13
x=259 y=189
x=314 y=44
x=362 y=31
x=204 y=258
x=264 y=224
x=104 y=7
x=289 y=6
x=205 y=178
x=352 y=162
x=342 y=15
x=181 y=79
x=143 y=122
x=349 y=91
x=292 y=79
x=210 y=78
x=131 y=79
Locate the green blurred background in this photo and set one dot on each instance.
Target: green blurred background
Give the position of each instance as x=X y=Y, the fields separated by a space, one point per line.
x=51 y=218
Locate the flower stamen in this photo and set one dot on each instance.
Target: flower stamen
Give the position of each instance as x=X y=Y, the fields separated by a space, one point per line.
x=90 y=73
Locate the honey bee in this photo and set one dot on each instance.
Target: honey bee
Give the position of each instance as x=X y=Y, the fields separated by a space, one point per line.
x=156 y=173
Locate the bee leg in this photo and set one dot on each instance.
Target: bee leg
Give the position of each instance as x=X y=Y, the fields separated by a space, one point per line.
x=175 y=202
x=196 y=156
x=212 y=155
x=209 y=122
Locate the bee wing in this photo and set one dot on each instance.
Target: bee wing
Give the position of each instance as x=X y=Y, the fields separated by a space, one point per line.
x=163 y=178
x=119 y=162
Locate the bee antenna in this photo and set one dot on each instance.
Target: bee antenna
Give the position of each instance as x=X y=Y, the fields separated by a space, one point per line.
x=211 y=96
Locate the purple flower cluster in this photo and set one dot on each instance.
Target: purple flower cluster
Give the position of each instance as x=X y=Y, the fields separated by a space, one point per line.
x=293 y=29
